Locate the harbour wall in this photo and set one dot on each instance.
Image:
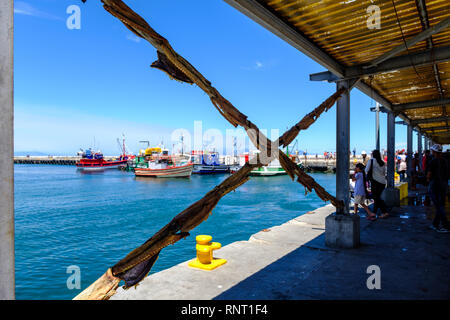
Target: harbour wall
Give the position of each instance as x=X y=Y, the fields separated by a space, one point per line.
x=56 y=160
x=311 y=163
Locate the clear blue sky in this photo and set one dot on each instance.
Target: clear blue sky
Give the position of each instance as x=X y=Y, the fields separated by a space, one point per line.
x=74 y=86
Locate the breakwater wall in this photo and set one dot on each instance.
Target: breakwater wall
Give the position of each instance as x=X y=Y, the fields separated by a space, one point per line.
x=310 y=163
x=56 y=160
x=320 y=164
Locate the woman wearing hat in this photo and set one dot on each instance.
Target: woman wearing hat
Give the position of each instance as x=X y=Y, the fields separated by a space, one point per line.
x=437 y=177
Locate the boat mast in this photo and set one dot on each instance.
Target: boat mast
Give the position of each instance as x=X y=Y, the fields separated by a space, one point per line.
x=123 y=145
x=182 y=145
x=234 y=150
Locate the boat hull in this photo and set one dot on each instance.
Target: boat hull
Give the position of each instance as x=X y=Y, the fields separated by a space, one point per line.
x=100 y=166
x=205 y=169
x=267 y=172
x=169 y=172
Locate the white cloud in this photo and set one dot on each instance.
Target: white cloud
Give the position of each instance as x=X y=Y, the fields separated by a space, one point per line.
x=133 y=38
x=255 y=66
x=23 y=8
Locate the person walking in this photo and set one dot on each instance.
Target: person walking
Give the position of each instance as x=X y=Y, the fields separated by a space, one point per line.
x=437 y=177
x=360 y=191
x=376 y=173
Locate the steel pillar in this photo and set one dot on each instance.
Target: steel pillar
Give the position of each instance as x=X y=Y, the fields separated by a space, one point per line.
x=419 y=147
x=409 y=150
x=377 y=127
x=7 y=281
x=343 y=146
x=390 y=149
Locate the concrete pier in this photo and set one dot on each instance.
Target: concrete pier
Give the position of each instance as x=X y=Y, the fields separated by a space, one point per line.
x=291 y=261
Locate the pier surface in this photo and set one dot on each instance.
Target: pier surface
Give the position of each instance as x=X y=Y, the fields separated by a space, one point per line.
x=290 y=261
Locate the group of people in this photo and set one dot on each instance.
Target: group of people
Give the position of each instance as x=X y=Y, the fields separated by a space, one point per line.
x=372 y=173
x=417 y=170
x=329 y=155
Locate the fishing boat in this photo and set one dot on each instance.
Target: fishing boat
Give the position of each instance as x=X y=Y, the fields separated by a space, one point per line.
x=94 y=161
x=207 y=163
x=273 y=169
x=165 y=168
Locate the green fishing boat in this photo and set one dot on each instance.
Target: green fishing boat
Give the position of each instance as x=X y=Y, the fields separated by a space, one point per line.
x=273 y=169
x=268 y=171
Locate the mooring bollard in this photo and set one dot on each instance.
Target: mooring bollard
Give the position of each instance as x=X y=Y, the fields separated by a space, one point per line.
x=205 y=259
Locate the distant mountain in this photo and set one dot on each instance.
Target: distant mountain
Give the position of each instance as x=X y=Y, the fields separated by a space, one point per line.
x=29 y=153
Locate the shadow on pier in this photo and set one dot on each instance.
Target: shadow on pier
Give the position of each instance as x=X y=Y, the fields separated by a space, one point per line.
x=414 y=262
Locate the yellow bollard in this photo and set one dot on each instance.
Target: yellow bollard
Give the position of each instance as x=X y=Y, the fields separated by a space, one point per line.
x=205 y=258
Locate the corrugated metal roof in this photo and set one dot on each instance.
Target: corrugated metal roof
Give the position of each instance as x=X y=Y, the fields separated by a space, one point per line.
x=339 y=28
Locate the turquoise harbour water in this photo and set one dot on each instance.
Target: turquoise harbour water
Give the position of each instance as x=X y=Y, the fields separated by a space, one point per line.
x=64 y=218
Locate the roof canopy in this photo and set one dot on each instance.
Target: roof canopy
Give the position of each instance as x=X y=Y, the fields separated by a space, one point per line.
x=404 y=64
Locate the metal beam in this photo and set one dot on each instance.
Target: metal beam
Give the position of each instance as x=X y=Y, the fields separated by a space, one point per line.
x=412 y=41
x=379 y=108
x=436 y=128
x=427 y=57
x=343 y=146
x=443 y=133
x=7 y=279
x=420 y=104
x=323 y=76
x=430 y=120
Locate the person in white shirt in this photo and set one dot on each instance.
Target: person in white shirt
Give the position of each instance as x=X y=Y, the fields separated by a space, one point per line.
x=402 y=166
x=376 y=173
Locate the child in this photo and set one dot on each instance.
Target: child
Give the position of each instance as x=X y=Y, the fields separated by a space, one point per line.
x=361 y=191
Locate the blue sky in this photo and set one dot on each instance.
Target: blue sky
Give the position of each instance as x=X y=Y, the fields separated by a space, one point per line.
x=74 y=86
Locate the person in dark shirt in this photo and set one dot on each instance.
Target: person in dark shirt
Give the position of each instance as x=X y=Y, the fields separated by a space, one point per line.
x=437 y=177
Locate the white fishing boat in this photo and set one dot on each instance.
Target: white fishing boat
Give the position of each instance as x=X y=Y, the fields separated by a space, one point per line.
x=165 y=170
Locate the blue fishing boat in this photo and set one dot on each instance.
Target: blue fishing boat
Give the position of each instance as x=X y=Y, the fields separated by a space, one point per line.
x=207 y=163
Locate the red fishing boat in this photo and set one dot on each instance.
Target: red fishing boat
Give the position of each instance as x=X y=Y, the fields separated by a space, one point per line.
x=94 y=161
